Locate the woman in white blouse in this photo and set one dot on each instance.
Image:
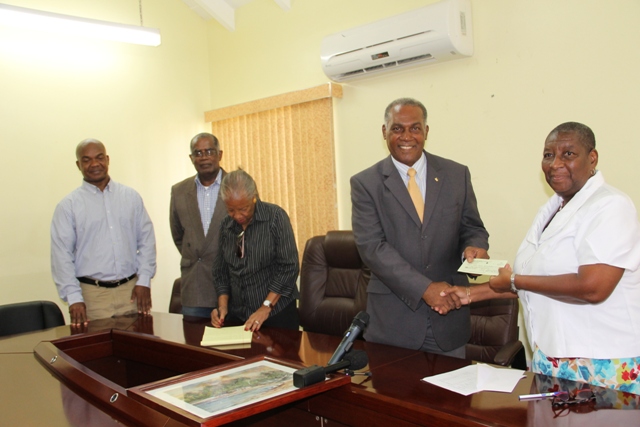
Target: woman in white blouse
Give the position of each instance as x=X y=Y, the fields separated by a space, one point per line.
x=577 y=271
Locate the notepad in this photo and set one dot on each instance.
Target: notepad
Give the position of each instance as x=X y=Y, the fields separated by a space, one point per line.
x=230 y=335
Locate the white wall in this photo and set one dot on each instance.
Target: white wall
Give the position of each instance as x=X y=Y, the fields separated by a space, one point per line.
x=144 y=103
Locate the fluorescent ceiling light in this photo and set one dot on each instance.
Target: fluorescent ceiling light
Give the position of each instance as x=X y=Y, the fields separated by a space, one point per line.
x=66 y=24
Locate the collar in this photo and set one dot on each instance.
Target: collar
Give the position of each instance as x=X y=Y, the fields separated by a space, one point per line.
x=563 y=216
x=215 y=181
x=420 y=166
x=93 y=189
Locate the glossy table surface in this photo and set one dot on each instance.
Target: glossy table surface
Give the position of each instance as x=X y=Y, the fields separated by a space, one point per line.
x=393 y=395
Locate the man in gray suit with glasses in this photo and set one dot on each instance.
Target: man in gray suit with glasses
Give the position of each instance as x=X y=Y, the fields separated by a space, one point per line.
x=195 y=216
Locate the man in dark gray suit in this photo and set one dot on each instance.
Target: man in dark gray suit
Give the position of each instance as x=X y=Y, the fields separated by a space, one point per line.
x=195 y=216
x=414 y=244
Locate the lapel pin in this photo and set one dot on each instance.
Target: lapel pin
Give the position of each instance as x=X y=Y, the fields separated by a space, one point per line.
x=436 y=178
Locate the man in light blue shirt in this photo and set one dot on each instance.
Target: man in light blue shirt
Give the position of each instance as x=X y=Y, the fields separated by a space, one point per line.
x=103 y=248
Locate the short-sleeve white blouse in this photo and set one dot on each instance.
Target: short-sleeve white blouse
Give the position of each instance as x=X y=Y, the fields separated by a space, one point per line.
x=599 y=225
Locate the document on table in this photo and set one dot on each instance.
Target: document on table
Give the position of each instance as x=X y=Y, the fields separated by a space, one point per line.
x=479 y=377
x=483 y=267
x=229 y=335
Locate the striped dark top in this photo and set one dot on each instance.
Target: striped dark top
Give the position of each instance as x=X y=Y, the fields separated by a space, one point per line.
x=270 y=262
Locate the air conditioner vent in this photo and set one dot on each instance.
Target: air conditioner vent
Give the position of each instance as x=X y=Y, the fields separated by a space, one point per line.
x=416 y=58
x=432 y=34
x=377 y=67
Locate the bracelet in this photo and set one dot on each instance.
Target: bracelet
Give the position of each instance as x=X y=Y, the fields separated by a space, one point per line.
x=513 y=283
x=469 y=294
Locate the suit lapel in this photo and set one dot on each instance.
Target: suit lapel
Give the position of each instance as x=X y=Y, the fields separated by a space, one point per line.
x=194 y=212
x=434 y=185
x=394 y=183
x=219 y=212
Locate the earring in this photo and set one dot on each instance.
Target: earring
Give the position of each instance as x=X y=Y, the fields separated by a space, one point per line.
x=593 y=172
x=255 y=200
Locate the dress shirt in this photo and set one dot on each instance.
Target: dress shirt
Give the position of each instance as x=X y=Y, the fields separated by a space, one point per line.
x=106 y=235
x=421 y=173
x=270 y=263
x=599 y=225
x=207 y=198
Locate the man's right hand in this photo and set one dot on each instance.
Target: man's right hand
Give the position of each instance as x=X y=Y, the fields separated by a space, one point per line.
x=78 y=314
x=439 y=301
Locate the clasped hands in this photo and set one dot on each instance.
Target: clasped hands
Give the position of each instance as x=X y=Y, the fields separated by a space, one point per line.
x=499 y=284
x=442 y=297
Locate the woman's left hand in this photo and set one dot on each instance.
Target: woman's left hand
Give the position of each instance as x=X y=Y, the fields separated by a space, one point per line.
x=501 y=282
x=255 y=321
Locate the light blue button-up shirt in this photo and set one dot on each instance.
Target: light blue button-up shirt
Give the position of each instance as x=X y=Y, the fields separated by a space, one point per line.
x=106 y=235
x=207 y=199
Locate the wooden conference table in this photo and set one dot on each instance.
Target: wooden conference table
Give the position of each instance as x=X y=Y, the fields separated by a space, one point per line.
x=392 y=396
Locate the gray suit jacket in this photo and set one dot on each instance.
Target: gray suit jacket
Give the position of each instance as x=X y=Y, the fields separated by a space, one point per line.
x=198 y=251
x=405 y=256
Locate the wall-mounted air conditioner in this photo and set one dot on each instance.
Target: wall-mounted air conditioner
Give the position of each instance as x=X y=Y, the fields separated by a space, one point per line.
x=435 y=33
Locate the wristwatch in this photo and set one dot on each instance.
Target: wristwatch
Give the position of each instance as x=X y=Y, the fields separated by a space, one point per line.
x=267 y=303
x=513 y=283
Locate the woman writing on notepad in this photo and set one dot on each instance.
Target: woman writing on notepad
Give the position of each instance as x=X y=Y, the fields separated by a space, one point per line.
x=577 y=271
x=257 y=265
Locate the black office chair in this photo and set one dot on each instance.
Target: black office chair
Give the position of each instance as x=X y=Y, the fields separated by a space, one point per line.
x=175 y=302
x=29 y=316
x=333 y=283
x=494 y=333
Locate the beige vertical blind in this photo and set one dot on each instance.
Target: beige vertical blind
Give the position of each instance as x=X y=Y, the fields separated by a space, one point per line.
x=286 y=143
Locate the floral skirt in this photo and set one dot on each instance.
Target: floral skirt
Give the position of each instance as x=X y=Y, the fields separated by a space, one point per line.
x=618 y=374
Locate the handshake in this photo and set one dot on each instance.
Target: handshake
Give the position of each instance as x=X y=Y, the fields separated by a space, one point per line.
x=442 y=297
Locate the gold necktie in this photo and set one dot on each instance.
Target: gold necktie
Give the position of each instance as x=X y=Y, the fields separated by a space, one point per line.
x=414 y=192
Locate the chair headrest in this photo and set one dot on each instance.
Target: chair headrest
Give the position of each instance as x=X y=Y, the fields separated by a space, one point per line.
x=341 y=251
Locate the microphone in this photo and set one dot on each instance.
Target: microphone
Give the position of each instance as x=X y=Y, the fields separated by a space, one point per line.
x=355 y=360
x=359 y=323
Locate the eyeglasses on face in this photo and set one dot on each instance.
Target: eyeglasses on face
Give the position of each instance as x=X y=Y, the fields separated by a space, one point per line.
x=240 y=245
x=209 y=152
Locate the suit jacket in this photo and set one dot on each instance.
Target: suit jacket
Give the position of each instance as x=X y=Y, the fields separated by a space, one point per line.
x=405 y=256
x=198 y=251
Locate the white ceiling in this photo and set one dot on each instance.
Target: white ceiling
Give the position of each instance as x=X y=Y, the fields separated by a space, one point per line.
x=224 y=10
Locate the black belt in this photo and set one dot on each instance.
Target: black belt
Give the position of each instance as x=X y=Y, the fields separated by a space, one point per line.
x=109 y=284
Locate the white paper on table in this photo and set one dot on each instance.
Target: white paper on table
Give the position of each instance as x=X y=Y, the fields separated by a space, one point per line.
x=479 y=377
x=483 y=267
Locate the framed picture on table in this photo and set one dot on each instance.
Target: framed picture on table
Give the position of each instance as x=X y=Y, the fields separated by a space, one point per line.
x=227 y=393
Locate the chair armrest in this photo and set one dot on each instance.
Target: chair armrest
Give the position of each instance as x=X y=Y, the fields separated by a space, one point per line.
x=505 y=355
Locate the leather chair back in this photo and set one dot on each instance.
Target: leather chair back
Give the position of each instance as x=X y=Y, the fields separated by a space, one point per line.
x=175 y=303
x=333 y=283
x=494 y=333
x=29 y=316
